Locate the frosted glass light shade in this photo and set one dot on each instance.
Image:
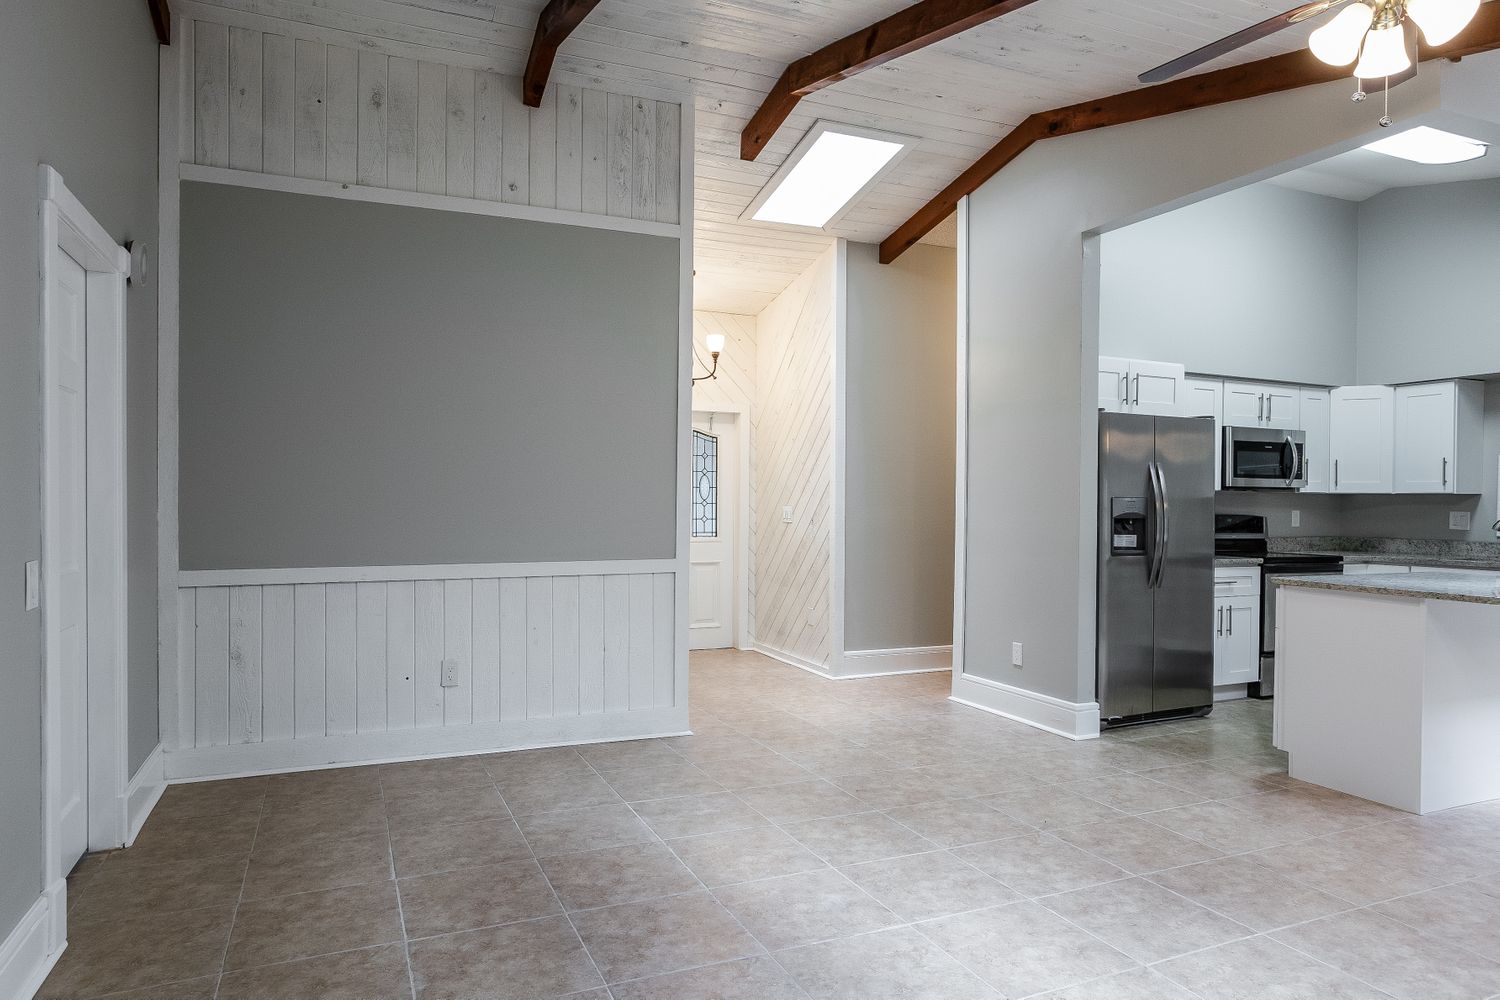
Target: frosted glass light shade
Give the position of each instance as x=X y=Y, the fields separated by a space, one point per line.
x=715 y=343
x=1337 y=42
x=1441 y=20
x=1384 y=54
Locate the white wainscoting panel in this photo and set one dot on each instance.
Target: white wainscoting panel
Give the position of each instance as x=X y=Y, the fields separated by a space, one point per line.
x=291 y=102
x=340 y=666
x=794 y=444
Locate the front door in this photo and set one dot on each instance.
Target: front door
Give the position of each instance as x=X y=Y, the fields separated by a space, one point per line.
x=66 y=594
x=711 y=570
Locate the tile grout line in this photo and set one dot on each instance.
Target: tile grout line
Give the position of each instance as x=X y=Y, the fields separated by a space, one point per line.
x=239 y=900
x=390 y=846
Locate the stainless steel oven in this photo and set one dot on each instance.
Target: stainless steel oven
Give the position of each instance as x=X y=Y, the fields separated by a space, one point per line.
x=1266 y=459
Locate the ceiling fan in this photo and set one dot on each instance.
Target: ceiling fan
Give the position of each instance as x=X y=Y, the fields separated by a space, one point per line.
x=1376 y=36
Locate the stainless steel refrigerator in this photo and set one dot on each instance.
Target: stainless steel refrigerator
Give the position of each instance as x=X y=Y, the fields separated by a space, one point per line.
x=1156 y=567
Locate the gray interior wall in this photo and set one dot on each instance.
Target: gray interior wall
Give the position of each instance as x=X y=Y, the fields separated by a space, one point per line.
x=1259 y=283
x=1032 y=406
x=900 y=400
x=366 y=384
x=1428 y=258
x=77 y=91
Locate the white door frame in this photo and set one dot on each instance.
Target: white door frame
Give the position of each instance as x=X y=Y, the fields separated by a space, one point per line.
x=67 y=225
x=741 y=629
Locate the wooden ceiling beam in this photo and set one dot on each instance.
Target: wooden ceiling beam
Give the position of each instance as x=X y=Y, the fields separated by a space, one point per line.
x=1224 y=86
x=905 y=31
x=161 y=18
x=558 y=20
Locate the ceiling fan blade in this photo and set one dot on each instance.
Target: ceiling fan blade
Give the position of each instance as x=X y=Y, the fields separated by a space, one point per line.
x=1240 y=38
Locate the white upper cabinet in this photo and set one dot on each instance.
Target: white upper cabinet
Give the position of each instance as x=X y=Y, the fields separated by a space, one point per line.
x=1438 y=430
x=1253 y=404
x=1361 y=430
x=1314 y=409
x=1127 y=385
x=1114 y=384
x=1204 y=397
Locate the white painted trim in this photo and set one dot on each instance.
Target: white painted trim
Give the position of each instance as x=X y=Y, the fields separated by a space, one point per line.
x=310 y=753
x=68 y=226
x=31 y=949
x=686 y=146
x=1231 y=692
x=838 y=546
x=792 y=660
x=911 y=660
x=174 y=67
x=420 y=199
x=443 y=571
x=1040 y=711
x=961 y=450
x=143 y=792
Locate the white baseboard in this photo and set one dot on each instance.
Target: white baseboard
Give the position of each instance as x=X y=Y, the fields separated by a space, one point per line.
x=1231 y=692
x=793 y=660
x=1063 y=718
x=143 y=792
x=34 y=945
x=245 y=759
x=882 y=662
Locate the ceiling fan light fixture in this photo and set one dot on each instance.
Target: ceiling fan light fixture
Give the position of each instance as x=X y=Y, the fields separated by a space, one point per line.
x=1337 y=42
x=1431 y=146
x=1384 y=54
x=1441 y=20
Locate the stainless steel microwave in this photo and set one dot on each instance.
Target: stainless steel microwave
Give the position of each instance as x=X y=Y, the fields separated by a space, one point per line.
x=1259 y=458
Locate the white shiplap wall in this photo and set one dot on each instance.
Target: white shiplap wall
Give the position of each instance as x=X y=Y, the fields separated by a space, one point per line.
x=733 y=390
x=307 y=673
x=794 y=466
x=276 y=102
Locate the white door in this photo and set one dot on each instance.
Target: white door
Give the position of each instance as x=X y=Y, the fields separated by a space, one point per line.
x=1283 y=407
x=65 y=596
x=1425 y=428
x=1361 y=428
x=1156 y=388
x=1313 y=407
x=711 y=559
x=1236 y=644
x=1244 y=404
x=1114 y=384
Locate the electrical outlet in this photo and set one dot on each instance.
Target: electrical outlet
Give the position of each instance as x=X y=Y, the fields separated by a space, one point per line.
x=450 y=673
x=1296 y=519
x=1015 y=654
x=812 y=615
x=786 y=515
x=33 y=585
x=1459 y=520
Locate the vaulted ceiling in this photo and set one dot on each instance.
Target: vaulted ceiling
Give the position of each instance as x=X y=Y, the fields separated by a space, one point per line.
x=957 y=98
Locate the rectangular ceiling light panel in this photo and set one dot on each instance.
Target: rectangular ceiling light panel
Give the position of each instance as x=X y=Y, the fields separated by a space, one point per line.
x=828 y=170
x=1431 y=146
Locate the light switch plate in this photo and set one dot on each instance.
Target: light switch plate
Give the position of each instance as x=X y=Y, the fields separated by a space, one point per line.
x=1459 y=520
x=1015 y=654
x=786 y=515
x=33 y=585
x=450 y=673
x=1296 y=519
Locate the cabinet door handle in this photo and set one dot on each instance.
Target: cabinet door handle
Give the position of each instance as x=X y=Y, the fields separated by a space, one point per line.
x=1230 y=616
x=1138 y=389
x=1220 y=625
x=1124 y=390
x=1270 y=404
x=1260 y=407
x=1445 y=471
x=1335 y=473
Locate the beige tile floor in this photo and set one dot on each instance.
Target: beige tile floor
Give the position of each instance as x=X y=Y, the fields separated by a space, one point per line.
x=863 y=839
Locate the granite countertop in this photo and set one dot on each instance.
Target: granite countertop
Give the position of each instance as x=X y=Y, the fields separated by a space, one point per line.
x=1235 y=562
x=1473 y=589
x=1389 y=559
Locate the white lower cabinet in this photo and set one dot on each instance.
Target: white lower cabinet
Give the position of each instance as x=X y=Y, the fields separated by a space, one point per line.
x=1236 y=626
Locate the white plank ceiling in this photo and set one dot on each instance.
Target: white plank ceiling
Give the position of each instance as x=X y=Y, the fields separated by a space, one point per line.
x=957 y=98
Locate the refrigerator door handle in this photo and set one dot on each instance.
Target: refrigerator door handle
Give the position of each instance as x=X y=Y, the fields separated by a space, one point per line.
x=1164 y=527
x=1155 y=553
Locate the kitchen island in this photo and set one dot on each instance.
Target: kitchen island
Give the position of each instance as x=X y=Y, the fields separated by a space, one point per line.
x=1389 y=685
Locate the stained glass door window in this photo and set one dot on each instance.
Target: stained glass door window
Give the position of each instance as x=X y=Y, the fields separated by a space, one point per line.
x=705 y=485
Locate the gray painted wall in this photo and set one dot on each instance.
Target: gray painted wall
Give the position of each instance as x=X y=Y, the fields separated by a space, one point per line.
x=78 y=91
x=900 y=407
x=1441 y=246
x=366 y=384
x=1259 y=283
